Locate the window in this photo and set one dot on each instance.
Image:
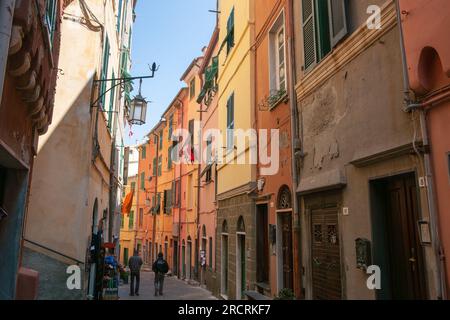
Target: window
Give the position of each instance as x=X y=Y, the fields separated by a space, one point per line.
x=230 y=32
x=144 y=152
x=155 y=139
x=161 y=135
x=131 y=220
x=169 y=137
x=277 y=69
x=230 y=122
x=143 y=181
x=112 y=100
x=160 y=166
x=155 y=166
x=50 y=18
x=167 y=202
x=189 y=191
x=192 y=89
x=133 y=186
x=122 y=222
x=119 y=16
x=191 y=136
x=324 y=25
x=209 y=159
x=141 y=217
x=169 y=158
x=104 y=72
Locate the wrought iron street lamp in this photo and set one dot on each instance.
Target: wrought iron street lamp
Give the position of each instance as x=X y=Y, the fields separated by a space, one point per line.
x=138 y=106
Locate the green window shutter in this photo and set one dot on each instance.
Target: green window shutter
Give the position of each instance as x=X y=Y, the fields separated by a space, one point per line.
x=119 y=16
x=230 y=122
x=323 y=45
x=169 y=158
x=309 y=39
x=144 y=152
x=230 y=31
x=160 y=166
x=161 y=135
x=104 y=71
x=133 y=186
x=338 y=20
x=112 y=99
x=131 y=220
x=142 y=180
x=169 y=137
x=155 y=166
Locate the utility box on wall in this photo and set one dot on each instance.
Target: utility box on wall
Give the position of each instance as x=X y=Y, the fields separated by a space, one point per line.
x=363 y=253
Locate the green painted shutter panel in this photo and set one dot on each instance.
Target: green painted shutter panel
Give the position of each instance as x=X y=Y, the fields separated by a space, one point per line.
x=338 y=20
x=309 y=39
x=155 y=165
x=322 y=25
x=142 y=180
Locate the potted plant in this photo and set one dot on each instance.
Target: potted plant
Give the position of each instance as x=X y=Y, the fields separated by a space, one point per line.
x=285 y=294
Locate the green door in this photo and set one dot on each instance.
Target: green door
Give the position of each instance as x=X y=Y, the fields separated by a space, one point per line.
x=125 y=256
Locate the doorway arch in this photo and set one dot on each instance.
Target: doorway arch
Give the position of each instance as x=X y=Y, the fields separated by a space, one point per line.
x=240 y=259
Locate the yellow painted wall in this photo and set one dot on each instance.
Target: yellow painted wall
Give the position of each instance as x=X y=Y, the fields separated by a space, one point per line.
x=236 y=75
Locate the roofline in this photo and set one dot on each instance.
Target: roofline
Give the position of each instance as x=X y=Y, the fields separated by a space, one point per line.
x=183 y=89
x=193 y=63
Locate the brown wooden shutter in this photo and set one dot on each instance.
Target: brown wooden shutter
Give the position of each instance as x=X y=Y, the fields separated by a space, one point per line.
x=338 y=20
x=309 y=39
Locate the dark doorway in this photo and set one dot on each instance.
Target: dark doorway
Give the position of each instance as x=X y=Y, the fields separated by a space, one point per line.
x=262 y=244
x=175 y=257
x=396 y=244
x=286 y=228
x=325 y=247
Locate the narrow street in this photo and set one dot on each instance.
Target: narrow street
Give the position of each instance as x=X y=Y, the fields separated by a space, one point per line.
x=174 y=289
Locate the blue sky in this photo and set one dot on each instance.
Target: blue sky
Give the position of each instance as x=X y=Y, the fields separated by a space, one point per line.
x=170 y=33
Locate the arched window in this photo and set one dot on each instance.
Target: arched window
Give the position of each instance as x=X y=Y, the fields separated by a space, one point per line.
x=241 y=224
x=284 y=198
x=225 y=227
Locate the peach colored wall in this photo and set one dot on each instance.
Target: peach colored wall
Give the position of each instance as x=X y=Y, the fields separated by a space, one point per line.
x=277 y=118
x=426 y=27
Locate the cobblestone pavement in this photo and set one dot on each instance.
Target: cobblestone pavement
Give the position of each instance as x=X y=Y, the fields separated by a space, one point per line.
x=174 y=289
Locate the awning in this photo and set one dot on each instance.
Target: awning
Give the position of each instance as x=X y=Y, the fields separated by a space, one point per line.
x=127 y=203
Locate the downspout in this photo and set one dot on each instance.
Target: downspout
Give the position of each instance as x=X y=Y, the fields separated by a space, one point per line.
x=296 y=144
x=6 y=20
x=412 y=105
x=181 y=105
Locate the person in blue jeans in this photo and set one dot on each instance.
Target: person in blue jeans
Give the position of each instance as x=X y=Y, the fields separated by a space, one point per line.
x=135 y=264
x=160 y=268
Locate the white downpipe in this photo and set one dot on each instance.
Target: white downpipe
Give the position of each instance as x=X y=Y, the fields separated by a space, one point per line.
x=6 y=19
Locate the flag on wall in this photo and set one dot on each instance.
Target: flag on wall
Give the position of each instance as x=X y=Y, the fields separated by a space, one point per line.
x=127 y=203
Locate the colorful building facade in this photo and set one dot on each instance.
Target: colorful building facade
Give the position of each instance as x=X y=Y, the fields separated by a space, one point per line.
x=30 y=34
x=427 y=58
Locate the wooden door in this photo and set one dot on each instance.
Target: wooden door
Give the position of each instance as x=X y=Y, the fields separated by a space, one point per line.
x=286 y=225
x=406 y=264
x=325 y=251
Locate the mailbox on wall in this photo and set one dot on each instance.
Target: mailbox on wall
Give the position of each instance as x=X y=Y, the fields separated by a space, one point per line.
x=363 y=253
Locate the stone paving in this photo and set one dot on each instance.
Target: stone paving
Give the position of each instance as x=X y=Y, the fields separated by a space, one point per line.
x=174 y=289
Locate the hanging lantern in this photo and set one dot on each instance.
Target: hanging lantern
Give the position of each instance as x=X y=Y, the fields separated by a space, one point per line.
x=138 y=110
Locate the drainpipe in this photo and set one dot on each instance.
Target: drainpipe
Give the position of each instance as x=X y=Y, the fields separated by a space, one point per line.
x=181 y=106
x=434 y=218
x=6 y=20
x=296 y=144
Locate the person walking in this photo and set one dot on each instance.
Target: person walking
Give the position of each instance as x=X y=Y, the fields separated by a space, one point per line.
x=160 y=268
x=135 y=264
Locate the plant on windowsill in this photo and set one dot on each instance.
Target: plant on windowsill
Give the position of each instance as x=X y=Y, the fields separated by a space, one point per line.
x=276 y=97
x=285 y=294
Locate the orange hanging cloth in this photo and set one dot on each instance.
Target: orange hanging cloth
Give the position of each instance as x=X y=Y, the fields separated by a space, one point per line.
x=127 y=203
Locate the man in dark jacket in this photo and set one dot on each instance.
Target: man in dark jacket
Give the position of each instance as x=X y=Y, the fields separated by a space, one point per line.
x=160 y=267
x=135 y=264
